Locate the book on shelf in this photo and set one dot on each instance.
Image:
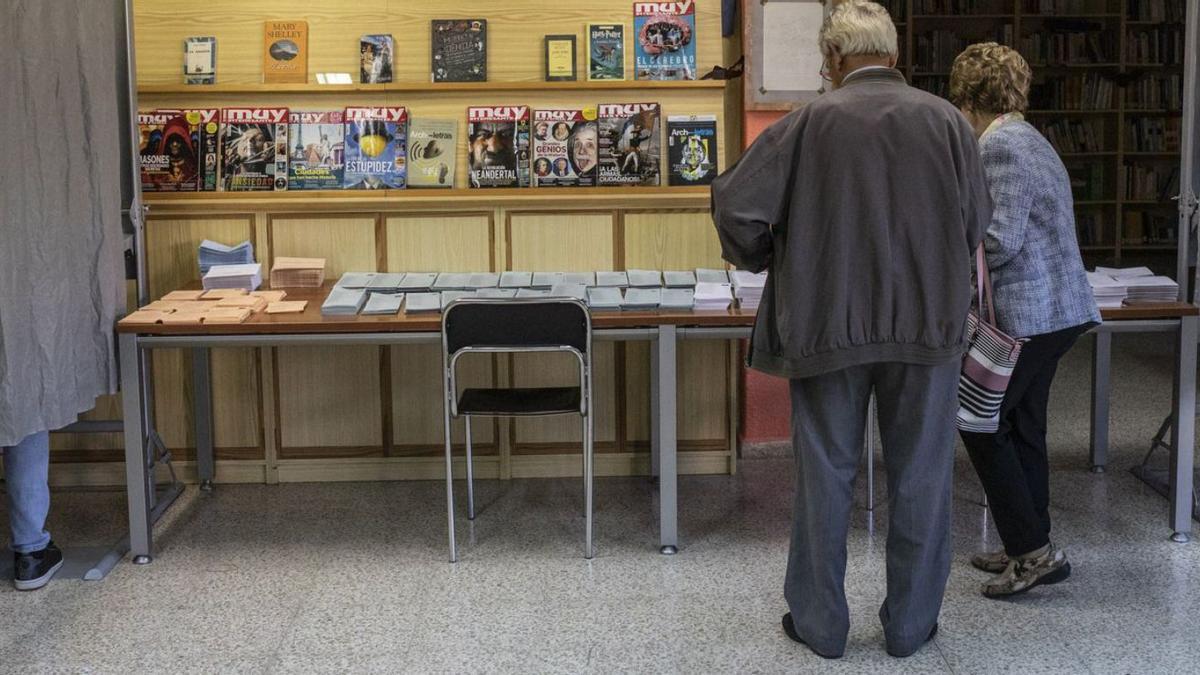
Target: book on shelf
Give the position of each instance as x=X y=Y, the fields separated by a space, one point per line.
x=1160 y=11
x=630 y=143
x=560 y=58
x=285 y=52
x=1155 y=92
x=166 y=151
x=564 y=147
x=1052 y=7
x=1161 y=45
x=376 y=58
x=200 y=60
x=1151 y=183
x=1087 y=180
x=935 y=50
x=962 y=7
x=432 y=152
x=317 y=157
x=664 y=38
x=691 y=149
x=606 y=51
x=1088 y=91
x=376 y=141
x=1090 y=228
x=1070 y=136
x=459 y=50
x=1069 y=47
x=1149 y=227
x=254 y=149
x=1153 y=134
x=498 y=146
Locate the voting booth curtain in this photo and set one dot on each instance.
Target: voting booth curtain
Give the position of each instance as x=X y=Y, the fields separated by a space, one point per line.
x=61 y=245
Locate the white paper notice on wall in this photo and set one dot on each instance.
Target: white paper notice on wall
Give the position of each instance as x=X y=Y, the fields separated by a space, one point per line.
x=791 y=59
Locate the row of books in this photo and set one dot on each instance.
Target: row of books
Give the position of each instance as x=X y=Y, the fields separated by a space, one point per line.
x=1091 y=230
x=1052 y=7
x=1151 y=183
x=936 y=50
x=259 y=149
x=1149 y=227
x=1073 y=135
x=1068 y=48
x=1153 y=134
x=1155 y=92
x=664 y=49
x=1168 y=11
x=1089 y=91
x=1087 y=180
x=961 y=7
x=1162 y=45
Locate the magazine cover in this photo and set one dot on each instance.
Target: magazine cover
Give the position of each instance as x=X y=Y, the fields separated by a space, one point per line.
x=166 y=152
x=376 y=148
x=664 y=40
x=206 y=139
x=432 y=151
x=285 y=51
x=254 y=149
x=629 y=145
x=606 y=51
x=459 y=50
x=498 y=146
x=564 y=148
x=691 y=149
x=317 y=156
x=375 y=59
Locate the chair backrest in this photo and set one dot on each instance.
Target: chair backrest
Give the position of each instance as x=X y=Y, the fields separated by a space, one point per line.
x=504 y=324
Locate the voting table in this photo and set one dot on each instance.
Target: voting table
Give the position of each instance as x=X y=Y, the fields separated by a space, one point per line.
x=663 y=328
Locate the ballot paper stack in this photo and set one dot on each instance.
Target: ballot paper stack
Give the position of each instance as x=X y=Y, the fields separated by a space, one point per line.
x=642 y=298
x=298 y=273
x=246 y=276
x=383 y=303
x=604 y=297
x=1140 y=283
x=748 y=288
x=214 y=253
x=1108 y=291
x=343 y=301
x=712 y=295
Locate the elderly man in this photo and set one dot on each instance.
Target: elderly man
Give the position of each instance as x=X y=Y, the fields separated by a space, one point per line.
x=865 y=206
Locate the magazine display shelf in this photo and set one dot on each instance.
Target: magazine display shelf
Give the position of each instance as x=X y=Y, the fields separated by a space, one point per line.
x=426 y=87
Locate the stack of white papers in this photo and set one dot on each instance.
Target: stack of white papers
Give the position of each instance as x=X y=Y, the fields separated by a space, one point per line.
x=451 y=281
x=246 y=276
x=1108 y=291
x=215 y=253
x=355 y=279
x=1151 y=289
x=748 y=288
x=343 y=301
x=645 y=278
x=422 y=302
x=642 y=298
x=567 y=290
x=479 y=280
x=417 y=282
x=383 y=303
x=711 y=276
x=545 y=280
x=604 y=297
x=685 y=279
x=386 y=282
x=523 y=293
x=450 y=296
x=712 y=295
x=612 y=279
x=496 y=293
x=677 y=298
x=516 y=279
x=585 y=278
x=1125 y=272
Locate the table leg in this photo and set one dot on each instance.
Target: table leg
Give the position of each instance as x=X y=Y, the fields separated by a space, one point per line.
x=1101 y=362
x=202 y=412
x=137 y=479
x=655 y=413
x=666 y=388
x=1183 y=430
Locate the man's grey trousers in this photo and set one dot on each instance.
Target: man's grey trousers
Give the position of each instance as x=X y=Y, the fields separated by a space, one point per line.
x=917 y=406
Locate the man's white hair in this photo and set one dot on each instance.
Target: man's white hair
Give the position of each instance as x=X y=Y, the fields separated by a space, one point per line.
x=858 y=28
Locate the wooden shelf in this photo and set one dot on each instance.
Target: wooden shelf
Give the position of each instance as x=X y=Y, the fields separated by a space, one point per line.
x=1175 y=154
x=1095 y=202
x=558 y=199
x=1142 y=203
x=1149 y=247
x=1084 y=155
x=425 y=87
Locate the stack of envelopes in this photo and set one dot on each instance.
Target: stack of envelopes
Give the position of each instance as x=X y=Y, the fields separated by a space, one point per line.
x=298 y=273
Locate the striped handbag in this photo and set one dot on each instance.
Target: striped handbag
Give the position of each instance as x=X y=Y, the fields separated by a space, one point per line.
x=989 y=361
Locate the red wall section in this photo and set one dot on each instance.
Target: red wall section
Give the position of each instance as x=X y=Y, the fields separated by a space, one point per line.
x=766 y=403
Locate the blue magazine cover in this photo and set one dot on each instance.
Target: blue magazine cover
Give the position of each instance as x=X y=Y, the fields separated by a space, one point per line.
x=664 y=40
x=376 y=148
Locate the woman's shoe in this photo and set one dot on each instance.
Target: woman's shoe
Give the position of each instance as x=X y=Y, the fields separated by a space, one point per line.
x=1045 y=566
x=992 y=563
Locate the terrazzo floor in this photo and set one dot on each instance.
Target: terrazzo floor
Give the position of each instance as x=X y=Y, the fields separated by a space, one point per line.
x=352 y=577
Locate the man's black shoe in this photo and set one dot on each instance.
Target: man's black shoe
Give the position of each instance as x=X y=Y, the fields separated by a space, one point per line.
x=932 y=634
x=790 y=629
x=33 y=570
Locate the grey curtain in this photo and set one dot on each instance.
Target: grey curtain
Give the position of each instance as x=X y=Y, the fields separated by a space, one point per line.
x=61 y=268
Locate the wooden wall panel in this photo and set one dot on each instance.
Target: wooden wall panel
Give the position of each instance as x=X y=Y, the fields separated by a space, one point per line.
x=171 y=261
x=445 y=243
x=515 y=30
x=329 y=397
x=563 y=242
x=674 y=241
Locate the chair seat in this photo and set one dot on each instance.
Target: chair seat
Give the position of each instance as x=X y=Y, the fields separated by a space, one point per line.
x=519 y=402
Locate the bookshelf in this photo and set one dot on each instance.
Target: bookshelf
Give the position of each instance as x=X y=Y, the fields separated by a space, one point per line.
x=1107 y=93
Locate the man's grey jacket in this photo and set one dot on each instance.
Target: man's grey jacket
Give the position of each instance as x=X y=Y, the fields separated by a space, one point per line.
x=866 y=207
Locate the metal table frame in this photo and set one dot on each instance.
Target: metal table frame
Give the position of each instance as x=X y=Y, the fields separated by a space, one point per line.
x=145 y=507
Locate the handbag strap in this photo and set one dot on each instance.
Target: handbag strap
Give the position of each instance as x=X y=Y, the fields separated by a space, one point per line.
x=983 y=283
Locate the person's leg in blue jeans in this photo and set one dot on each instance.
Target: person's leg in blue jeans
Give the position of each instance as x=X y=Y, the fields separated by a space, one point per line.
x=26 y=470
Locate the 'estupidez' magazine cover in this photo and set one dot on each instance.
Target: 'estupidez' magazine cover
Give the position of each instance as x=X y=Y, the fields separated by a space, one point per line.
x=498 y=146
x=254 y=149
x=629 y=144
x=376 y=148
x=564 y=148
x=318 y=153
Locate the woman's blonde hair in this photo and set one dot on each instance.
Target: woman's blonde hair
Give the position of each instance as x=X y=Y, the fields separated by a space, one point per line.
x=990 y=78
x=858 y=27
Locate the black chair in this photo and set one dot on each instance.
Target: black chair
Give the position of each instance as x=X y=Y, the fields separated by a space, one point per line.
x=505 y=326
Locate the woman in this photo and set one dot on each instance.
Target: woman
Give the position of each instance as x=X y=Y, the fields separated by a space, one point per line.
x=1041 y=294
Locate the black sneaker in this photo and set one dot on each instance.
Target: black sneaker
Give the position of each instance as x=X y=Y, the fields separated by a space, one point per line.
x=789 y=628
x=33 y=570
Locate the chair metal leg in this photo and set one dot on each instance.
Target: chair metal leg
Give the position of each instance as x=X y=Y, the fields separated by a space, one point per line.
x=871 y=454
x=588 y=476
x=470 y=474
x=449 y=486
